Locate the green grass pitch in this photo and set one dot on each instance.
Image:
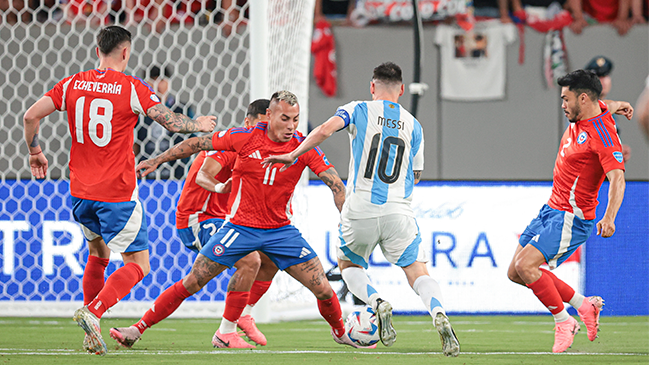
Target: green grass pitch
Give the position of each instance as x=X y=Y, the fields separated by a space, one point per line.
x=484 y=340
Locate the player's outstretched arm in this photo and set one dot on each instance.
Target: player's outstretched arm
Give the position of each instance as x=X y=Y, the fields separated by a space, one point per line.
x=620 y=107
x=181 y=150
x=317 y=136
x=606 y=227
x=205 y=177
x=180 y=123
x=32 y=121
x=332 y=180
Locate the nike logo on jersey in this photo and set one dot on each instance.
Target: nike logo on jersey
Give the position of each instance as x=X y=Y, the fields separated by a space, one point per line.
x=304 y=252
x=255 y=155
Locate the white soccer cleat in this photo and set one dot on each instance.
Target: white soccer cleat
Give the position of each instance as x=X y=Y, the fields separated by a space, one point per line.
x=387 y=333
x=450 y=343
x=90 y=324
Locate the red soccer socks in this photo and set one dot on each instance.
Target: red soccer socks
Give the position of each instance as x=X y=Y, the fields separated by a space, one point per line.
x=93 y=278
x=118 y=285
x=166 y=304
x=331 y=312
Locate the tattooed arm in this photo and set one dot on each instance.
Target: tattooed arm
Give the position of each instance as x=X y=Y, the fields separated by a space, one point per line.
x=181 y=150
x=417 y=176
x=31 y=122
x=180 y=123
x=332 y=180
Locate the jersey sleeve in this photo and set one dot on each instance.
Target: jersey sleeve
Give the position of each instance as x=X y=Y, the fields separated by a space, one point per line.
x=608 y=146
x=143 y=97
x=230 y=140
x=225 y=159
x=317 y=161
x=417 y=147
x=58 y=93
x=346 y=112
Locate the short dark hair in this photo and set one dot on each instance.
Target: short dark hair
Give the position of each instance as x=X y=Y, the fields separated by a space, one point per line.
x=582 y=81
x=111 y=37
x=257 y=107
x=387 y=72
x=154 y=72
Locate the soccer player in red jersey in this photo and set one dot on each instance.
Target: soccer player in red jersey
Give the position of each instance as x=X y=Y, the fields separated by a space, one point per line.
x=260 y=209
x=590 y=151
x=103 y=107
x=202 y=210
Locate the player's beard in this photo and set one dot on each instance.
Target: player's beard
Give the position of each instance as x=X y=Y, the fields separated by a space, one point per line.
x=573 y=115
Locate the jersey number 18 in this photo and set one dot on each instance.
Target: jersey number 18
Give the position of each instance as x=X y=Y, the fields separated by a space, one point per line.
x=95 y=119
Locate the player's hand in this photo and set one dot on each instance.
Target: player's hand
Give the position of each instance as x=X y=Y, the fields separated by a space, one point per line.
x=227 y=186
x=605 y=228
x=286 y=159
x=145 y=167
x=206 y=123
x=625 y=109
x=38 y=164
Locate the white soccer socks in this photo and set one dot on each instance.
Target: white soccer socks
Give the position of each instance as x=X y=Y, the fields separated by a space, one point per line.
x=359 y=284
x=430 y=293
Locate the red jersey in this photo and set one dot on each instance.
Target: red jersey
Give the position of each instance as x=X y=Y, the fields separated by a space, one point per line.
x=602 y=10
x=103 y=108
x=197 y=204
x=589 y=150
x=261 y=197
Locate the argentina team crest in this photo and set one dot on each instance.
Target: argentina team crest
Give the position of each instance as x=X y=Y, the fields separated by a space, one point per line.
x=618 y=156
x=218 y=250
x=582 y=137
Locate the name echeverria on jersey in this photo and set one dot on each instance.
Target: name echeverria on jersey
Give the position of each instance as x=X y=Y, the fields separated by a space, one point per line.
x=100 y=87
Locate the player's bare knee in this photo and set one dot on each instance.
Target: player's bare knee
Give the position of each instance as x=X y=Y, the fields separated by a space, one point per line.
x=190 y=282
x=512 y=274
x=146 y=268
x=323 y=291
x=249 y=263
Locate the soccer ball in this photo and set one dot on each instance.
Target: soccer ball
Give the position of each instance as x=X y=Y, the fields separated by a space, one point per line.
x=362 y=327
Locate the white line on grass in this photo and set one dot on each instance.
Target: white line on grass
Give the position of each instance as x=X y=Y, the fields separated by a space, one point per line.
x=58 y=352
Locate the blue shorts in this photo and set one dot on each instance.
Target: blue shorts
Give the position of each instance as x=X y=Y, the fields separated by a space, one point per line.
x=122 y=226
x=196 y=236
x=284 y=246
x=557 y=234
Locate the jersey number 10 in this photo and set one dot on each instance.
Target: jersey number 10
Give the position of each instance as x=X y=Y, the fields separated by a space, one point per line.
x=385 y=159
x=95 y=119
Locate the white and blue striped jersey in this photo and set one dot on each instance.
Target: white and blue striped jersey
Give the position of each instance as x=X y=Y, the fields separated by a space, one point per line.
x=387 y=144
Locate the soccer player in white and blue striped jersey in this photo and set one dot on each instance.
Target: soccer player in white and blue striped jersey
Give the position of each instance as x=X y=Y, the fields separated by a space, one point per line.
x=387 y=158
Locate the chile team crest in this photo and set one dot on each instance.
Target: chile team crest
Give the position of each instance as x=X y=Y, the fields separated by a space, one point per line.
x=582 y=137
x=218 y=250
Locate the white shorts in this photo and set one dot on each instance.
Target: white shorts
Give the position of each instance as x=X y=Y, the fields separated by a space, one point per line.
x=397 y=234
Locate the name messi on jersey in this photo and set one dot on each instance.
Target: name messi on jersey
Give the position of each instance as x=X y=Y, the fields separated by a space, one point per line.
x=99 y=87
x=390 y=123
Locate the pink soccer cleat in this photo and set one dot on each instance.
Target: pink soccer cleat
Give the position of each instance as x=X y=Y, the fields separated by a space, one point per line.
x=230 y=341
x=589 y=314
x=564 y=334
x=345 y=340
x=125 y=336
x=247 y=325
